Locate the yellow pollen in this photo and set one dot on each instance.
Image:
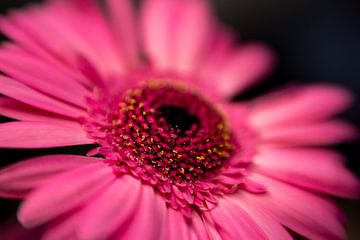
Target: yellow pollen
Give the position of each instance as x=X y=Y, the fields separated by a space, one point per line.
x=132 y=101
x=200 y=158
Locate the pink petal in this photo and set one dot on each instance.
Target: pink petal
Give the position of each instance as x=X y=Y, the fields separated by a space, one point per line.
x=17 y=180
x=40 y=135
x=305 y=213
x=63 y=193
x=203 y=229
x=40 y=75
x=271 y=228
x=223 y=44
x=148 y=220
x=234 y=223
x=175 y=227
x=84 y=31
x=159 y=18
x=195 y=20
x=22 y=93
x=24 y=38
x=20 y=111
x=243 y=68
x=296 y=166
x=62 y=227
x=299 y=106
x=122 y=19
x=313 y=134
x=115 y=206
x=81 y=31
x=166 y=27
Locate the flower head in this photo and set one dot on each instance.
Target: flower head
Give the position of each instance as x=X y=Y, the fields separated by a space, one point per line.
x=174 y=157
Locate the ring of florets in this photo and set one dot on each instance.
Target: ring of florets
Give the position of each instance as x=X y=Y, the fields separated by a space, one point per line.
x=167 y=136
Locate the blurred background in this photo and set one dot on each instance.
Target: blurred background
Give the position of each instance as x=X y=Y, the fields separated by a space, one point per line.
x=316 y=41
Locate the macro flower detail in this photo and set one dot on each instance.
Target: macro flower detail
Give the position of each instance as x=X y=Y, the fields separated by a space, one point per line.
x=172 y=156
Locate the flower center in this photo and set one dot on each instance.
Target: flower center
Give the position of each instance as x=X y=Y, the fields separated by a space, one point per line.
x=167 y=133
x=177 y=118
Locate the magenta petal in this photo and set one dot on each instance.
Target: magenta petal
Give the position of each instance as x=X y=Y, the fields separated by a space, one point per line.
x=203 y=229
x=301 y=211
x=175 y=227
x=243 y=69
x=299 y=106
x=20 y=111
x=166 y=26
x=17 y=180
x=22 y=93
x=64 y=193
x=271 y=228
x=148 y=220
x=234 y=223
x=62 y=227
x=159 y=18
x=40 y=135
x=195 y=19
x=114 y=206
x=122 y=20
x=81 y=31
x=323 y=133
x=40 y=75
x=296 y=166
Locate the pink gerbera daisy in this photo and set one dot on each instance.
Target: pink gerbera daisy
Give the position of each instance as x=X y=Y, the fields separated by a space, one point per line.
x=174 y=157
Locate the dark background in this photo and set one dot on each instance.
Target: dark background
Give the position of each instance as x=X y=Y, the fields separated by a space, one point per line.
x=316 y=41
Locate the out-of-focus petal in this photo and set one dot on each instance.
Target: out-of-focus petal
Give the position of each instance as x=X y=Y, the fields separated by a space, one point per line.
x=115 y=206
x=193 y=35
x=40 y=75
x=175 y=226
x=63 y=193
x=22 y=93
x=322 y=133
x=270 y=227
x=22 y=134
x=242 y=68
x=319 y=170
x=81 y=31
x=17 y=180
x=20 y=111
x=228 y=216
x=124 y=26
x=299 y=105
x=147 y=221
x=166 y=27
x=157 y=23
x=62 y=227
x=303 y=212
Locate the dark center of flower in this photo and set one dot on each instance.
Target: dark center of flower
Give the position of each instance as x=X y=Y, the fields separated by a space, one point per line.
x=177 y=118
x=168 y=133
